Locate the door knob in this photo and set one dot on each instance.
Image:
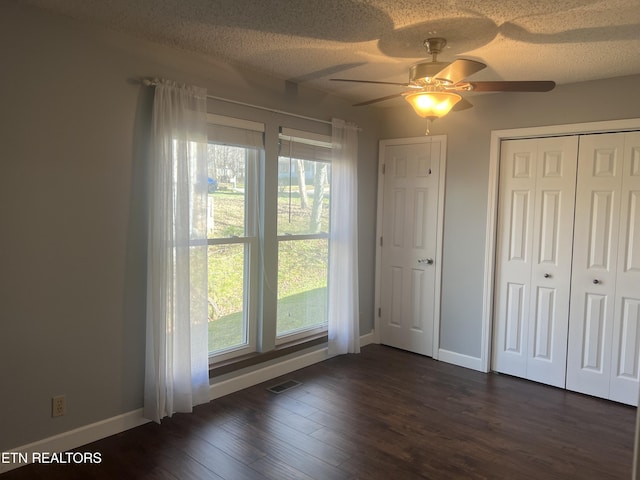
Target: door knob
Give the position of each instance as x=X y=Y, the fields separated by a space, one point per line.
x=596 y=281
x=428 y=261
x=547 y=275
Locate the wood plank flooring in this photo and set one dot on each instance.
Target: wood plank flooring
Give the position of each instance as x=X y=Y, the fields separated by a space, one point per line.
x=382 y=414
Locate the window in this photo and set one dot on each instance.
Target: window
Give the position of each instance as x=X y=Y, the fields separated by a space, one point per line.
x=235 y=151
x=304 y=175
x=267 y=282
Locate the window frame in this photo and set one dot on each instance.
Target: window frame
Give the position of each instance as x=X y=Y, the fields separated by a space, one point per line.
x=263 y=275
x=250 y=239
x=314 y=140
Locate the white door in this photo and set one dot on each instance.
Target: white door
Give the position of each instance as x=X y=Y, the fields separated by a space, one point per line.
x=625 y=365
x=533 y=257
x=604 y=335
x=409 y=244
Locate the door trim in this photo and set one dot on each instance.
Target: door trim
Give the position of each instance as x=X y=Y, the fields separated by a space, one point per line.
x=439 y=233
x=497 y=136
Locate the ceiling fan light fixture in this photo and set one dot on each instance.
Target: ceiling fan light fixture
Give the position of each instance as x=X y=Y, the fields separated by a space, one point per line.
x=434 y=83
x=432 y=105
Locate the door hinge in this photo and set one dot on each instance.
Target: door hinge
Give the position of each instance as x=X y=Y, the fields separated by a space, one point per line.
x=379 y=312
x=384 y=168
x=380 y=241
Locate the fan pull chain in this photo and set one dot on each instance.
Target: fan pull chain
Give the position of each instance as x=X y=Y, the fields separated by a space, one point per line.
x=428 y=132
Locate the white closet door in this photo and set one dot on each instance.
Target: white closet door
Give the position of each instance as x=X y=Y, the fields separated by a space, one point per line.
x=625 y=368
x=551 y=266
x=533 y=264
x=518 y=162
x=595 y=254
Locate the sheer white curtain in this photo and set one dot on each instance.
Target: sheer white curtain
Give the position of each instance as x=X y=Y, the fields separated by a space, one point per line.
x=176 y=373
x=344 y=331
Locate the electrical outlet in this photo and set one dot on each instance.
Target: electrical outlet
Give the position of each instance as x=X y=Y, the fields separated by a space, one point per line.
x=58 y=406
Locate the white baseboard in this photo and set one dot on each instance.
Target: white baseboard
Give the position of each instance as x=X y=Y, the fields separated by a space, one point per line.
x=368 y=338
x=474 y=363
x=246 y=380
x=90 y=433
x=78 y=437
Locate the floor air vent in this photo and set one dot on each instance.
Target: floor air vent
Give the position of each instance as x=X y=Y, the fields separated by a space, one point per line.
x=284 y=386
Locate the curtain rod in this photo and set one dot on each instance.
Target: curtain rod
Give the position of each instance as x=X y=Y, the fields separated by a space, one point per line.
x=153 y=83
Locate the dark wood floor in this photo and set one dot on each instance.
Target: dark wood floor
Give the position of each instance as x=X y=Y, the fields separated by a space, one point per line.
x=382 y=414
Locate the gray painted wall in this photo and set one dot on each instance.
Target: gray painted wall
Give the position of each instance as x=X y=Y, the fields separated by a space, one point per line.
x=73 y=204
x=468 y=138
x=73 y=210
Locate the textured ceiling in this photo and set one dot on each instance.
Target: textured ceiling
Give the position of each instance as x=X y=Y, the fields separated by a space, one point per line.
x=310 y=41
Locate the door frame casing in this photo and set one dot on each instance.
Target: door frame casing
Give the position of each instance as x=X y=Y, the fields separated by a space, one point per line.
x=439 y=230
x=497 y=136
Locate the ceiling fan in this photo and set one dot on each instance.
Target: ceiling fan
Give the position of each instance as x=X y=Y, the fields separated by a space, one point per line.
x=434 y=86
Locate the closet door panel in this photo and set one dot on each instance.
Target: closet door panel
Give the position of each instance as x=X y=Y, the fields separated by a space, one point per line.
x=551 y=262
x=625 y=369
x=595 y=253
x=513 y=255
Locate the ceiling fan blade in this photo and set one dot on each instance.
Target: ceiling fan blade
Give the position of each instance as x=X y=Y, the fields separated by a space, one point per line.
x=376 y=100
x=463 y=104
x=459 y=70
x=369 y=81
x=517 y=86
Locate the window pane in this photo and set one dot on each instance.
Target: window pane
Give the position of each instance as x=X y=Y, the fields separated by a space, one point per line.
x=227 y=328
x=226 y=169
x=303 y=196
x=302 y=284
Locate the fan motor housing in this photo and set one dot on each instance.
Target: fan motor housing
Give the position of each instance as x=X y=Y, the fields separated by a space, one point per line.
x=422 y=74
